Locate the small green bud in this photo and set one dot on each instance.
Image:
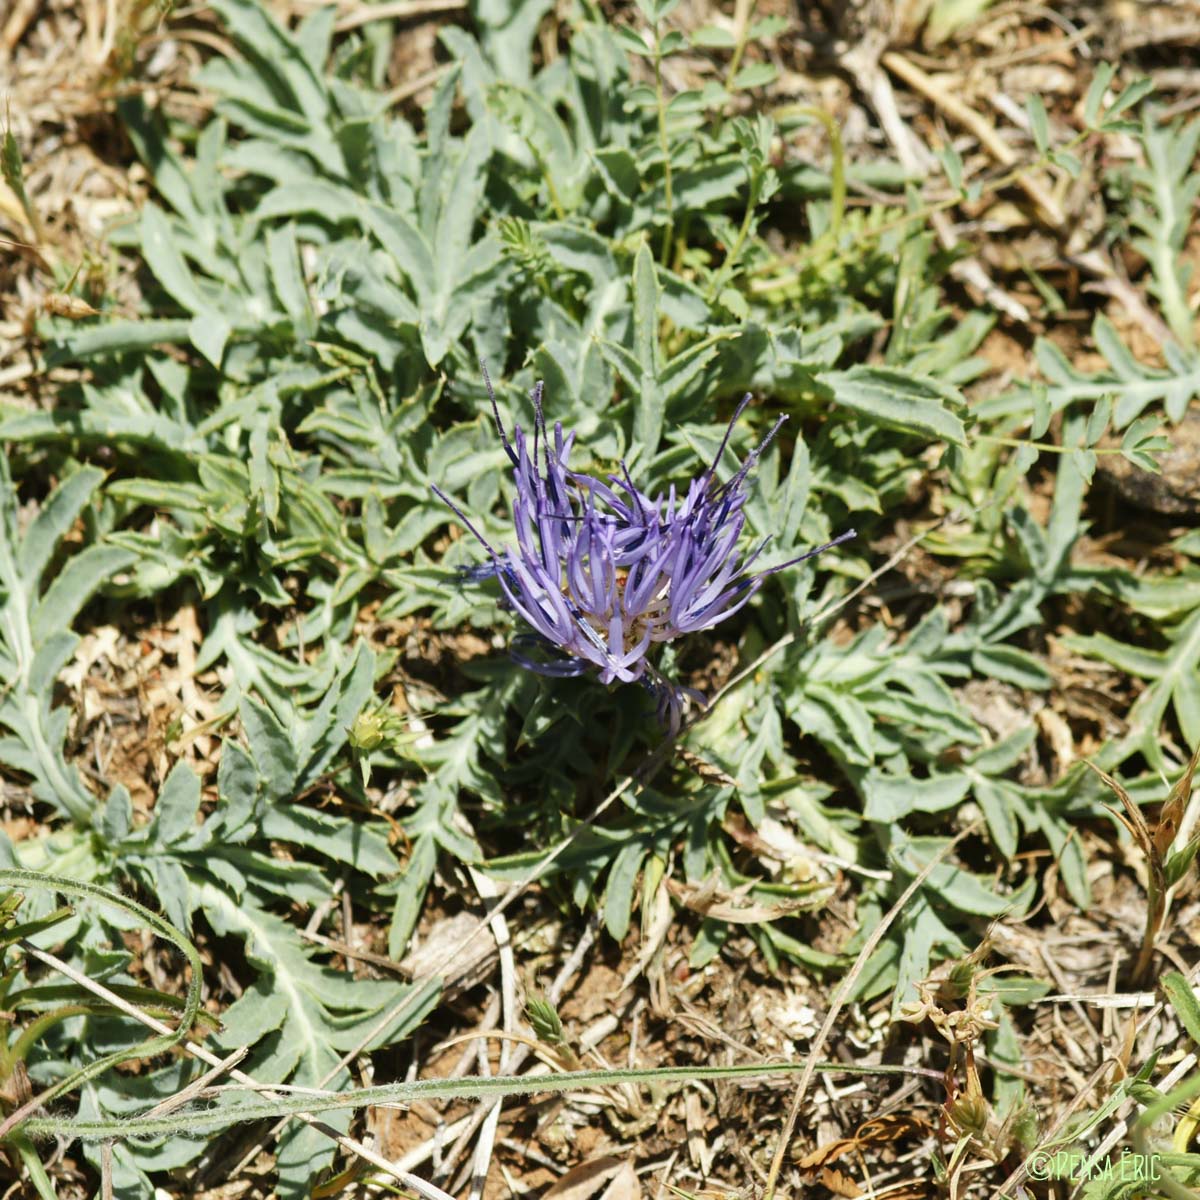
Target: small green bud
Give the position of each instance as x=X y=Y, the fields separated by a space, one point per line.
x=544 y=1018
x=367 y=732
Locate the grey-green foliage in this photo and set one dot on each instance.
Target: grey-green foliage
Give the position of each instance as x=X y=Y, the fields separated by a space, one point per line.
x=328 y=276
x=297 y=1016
x=1130 y=384
x=37 y=609
x=1166 y=189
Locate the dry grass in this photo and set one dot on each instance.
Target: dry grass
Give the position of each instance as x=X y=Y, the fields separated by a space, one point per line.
x=139 y=707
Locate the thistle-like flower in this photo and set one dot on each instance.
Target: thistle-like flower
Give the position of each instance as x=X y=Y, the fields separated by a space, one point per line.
x=602 y=572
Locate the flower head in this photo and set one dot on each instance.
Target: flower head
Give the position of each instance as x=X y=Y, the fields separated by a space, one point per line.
x=601 y=572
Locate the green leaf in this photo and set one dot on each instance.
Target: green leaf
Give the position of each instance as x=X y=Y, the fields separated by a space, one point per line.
x=921 y=930
x=768 y=27
x=506 y=32
x=1026 y=455
x=1182 y=999
x=1145 y=664
x=1175 y=676
x=1035 y=108
x=891 y=798
x=362 y=846
x=1098 y=421
x=996 y=801
x=1042 y=412
x=160 y=248
x=304 y=1016
x=961 y=889
x=1132 y=386
x=900 y=401
x=177 y=806
x=237 y=787
x=1095 y=93
x=714 y=37
x=59 y=513
x=1071 y=163
x=1011 y=665
x=618 y=171
x=953 y=165
x=621 y=889
x=1137 y=90
x=754 y=75
x=631 y=41
x=1140 y=445
x=674 y=41
x=1004 y=755
x=74 y=586
x=648 y=417
x=273 y=752
x=116 y=337
x=287 y=274
x=14 y=175
x=410 y=894
x=280 y=62
x=209 y=332
x=735 y=303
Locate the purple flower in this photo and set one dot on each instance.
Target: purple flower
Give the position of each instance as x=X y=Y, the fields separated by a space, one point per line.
x=601 y=572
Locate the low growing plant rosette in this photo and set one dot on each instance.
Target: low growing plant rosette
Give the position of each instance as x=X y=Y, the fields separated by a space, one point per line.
x=602 y=573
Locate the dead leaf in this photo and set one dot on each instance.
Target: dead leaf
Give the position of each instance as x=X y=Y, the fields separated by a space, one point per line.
x=840 y=1184
x=874 y=1132
x=913 y=1189
x=710 y=901
x=1172 y=810
x=1133 y=820
x=829 y=1152
x=473 y=958
x=700 y=1147
x=625 y=1185
x=58 y=304
x=586 y=1180
x=891 y=1128
x=706 y=770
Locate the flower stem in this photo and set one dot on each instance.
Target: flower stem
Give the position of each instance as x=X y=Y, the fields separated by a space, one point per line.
x=664 y=146
x=735 y=250
x=1047 y=446
x=837 y=164
x=743 y=14
x=551 y=190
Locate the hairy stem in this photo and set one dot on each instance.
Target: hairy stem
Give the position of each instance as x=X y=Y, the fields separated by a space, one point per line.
x=664 y=147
